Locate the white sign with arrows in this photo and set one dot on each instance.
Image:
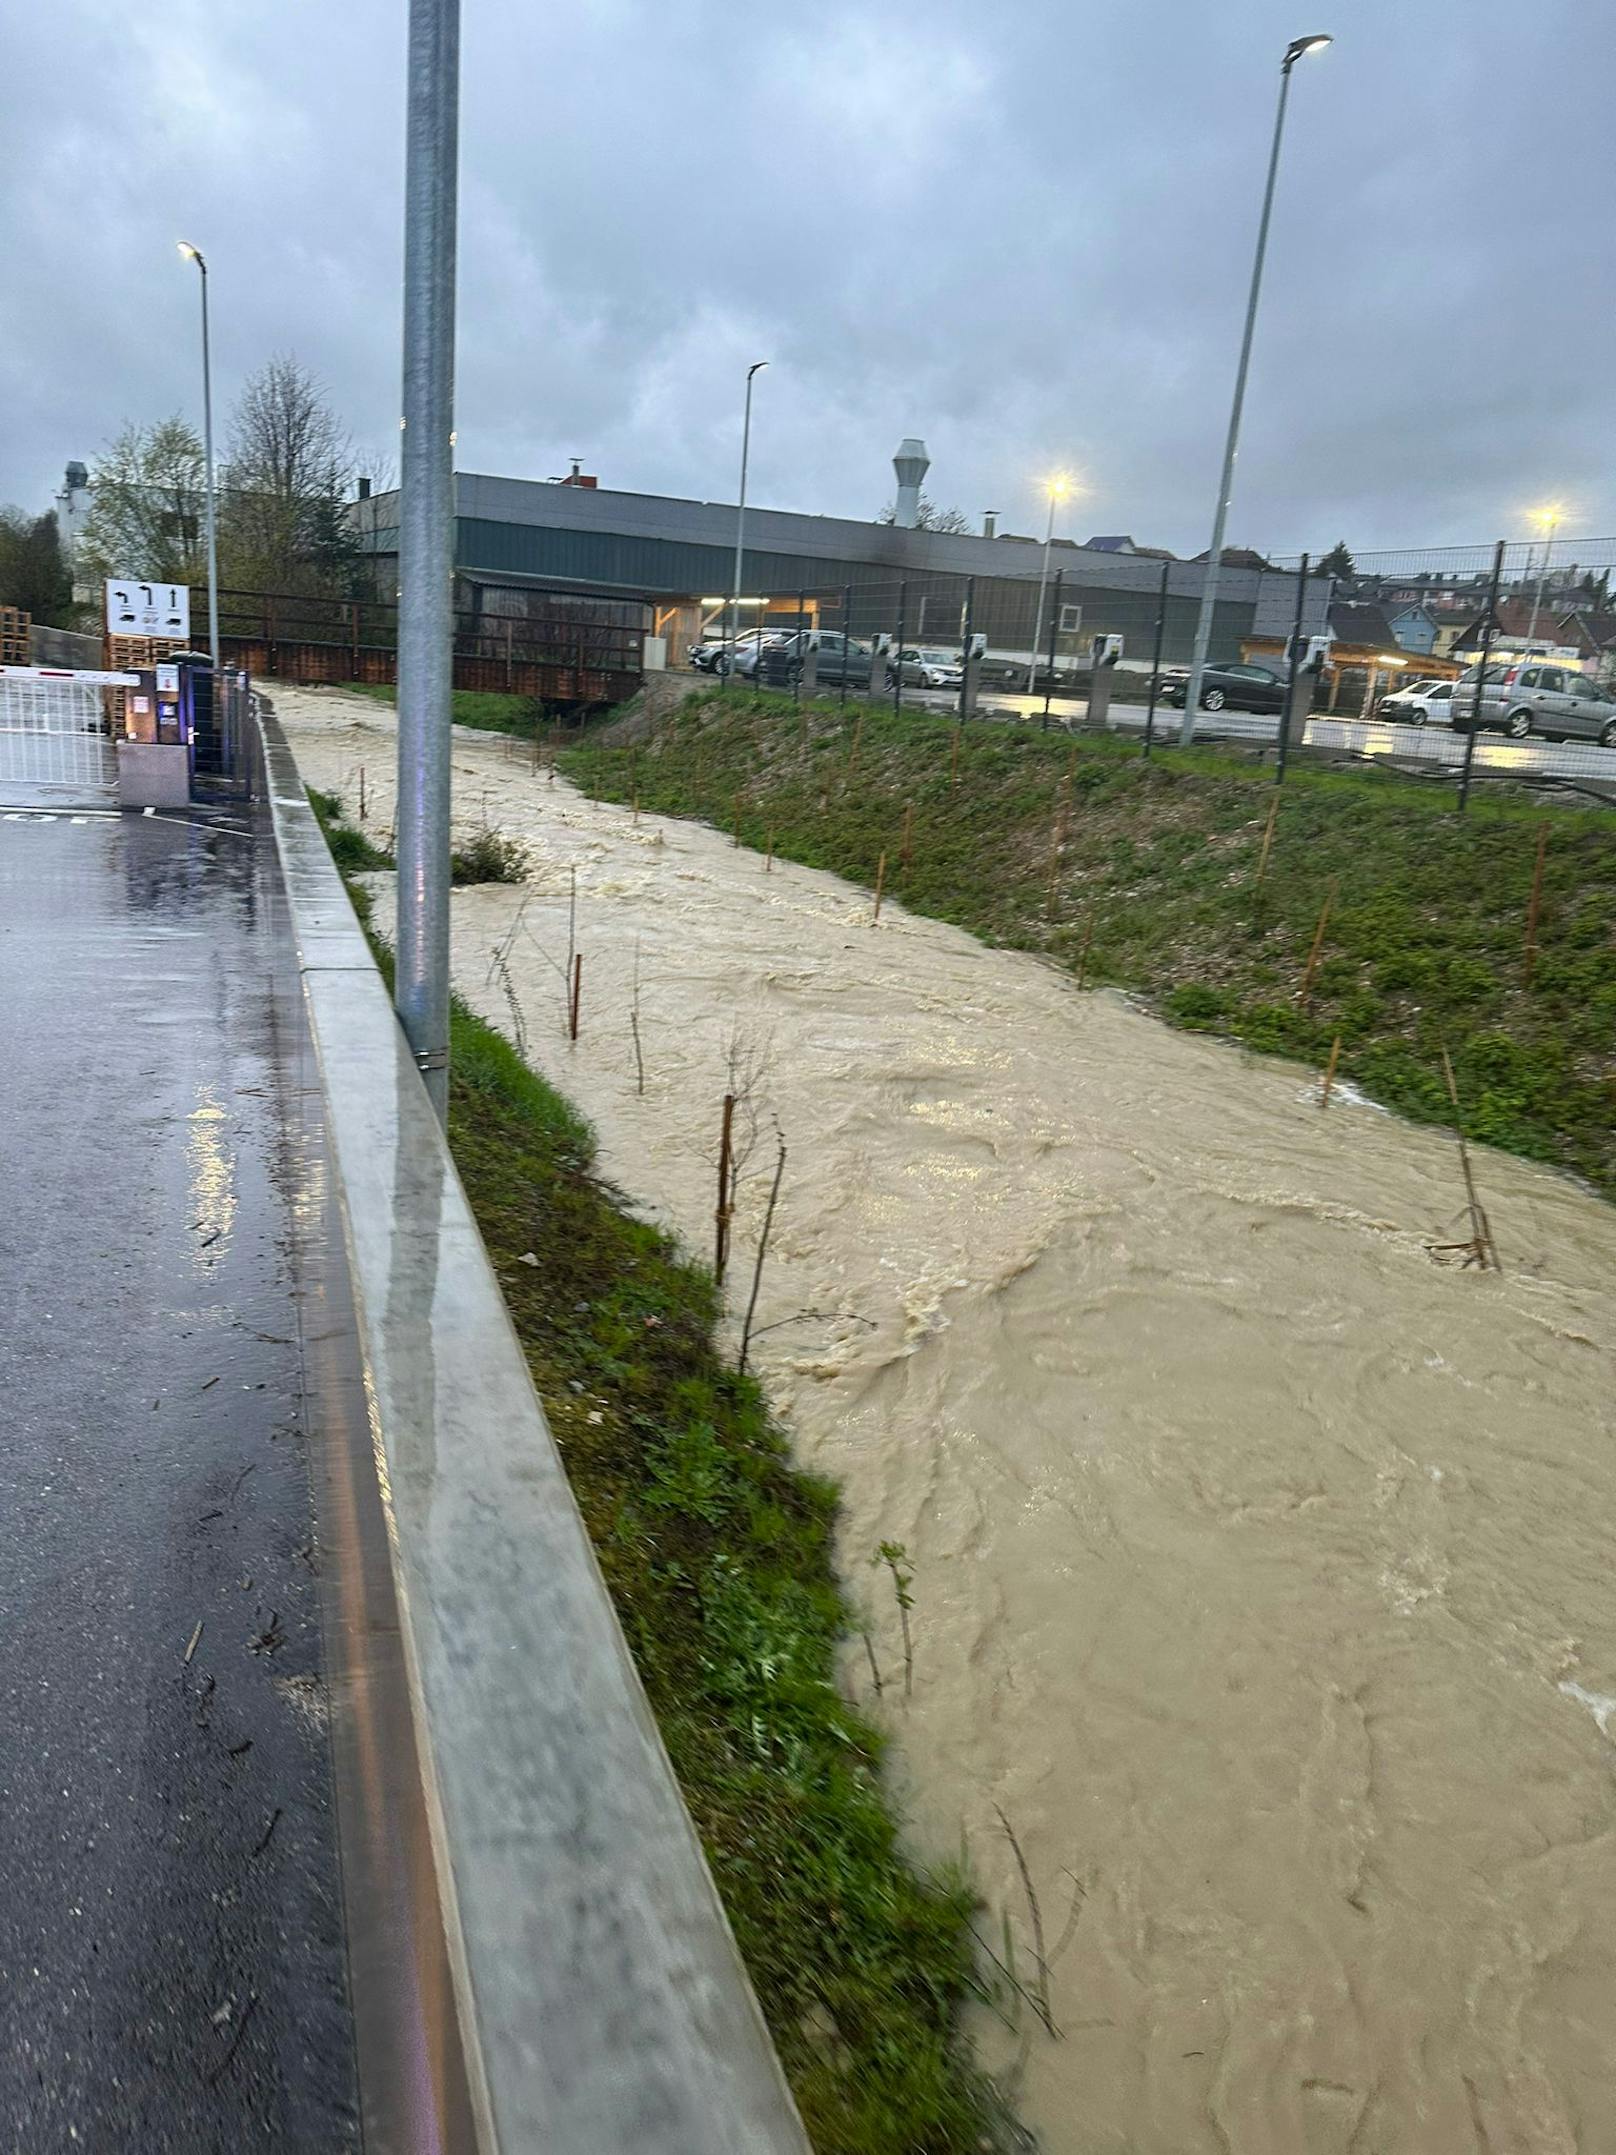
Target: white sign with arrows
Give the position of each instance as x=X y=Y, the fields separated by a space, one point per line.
x=140 y=609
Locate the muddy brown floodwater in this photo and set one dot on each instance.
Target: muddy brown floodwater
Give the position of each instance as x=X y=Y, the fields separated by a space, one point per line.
x=1262 y=1565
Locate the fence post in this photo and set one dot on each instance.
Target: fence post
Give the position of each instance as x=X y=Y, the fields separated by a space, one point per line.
x=510 y=655
x=897 y=651
x=1156 y=658
x=1054 y=623
x=847 y=637
x=353 y=663
x=1290 y=675
x=967 y=694
x=1489 y=630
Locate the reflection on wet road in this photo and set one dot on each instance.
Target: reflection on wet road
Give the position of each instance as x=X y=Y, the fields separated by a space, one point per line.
x=1261 y=1562
x=172 y=1967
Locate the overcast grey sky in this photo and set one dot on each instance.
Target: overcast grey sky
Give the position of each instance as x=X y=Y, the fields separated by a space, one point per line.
x=1021 y=230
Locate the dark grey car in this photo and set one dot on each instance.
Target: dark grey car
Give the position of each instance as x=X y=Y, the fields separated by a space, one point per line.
x=840 y=658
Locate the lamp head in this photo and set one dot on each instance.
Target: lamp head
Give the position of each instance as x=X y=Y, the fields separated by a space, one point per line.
x=193 y=254
x=1299 y=46
x=756 y=367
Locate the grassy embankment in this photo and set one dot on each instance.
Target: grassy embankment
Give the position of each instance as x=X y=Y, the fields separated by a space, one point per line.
x=488 y=710
x=719 y=1556
x=1060 y=846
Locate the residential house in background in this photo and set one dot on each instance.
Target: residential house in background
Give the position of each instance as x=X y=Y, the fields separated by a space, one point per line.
x=1414 y=627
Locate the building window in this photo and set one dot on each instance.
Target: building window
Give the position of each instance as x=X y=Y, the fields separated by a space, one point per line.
x=1071 y=620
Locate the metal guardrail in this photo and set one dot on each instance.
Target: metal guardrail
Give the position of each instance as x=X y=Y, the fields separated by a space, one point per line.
x=603 y=2004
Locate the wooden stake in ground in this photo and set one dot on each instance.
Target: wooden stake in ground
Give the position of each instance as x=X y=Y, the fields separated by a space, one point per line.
x=1318 y=942
x=721 y=1218
x=1533 y=903
x=735 y=804
x=1480 y=1249
x=577 y=991
x=858 y=735
x=635 y=804
x=953 y=761
x=880 y=884
x=1329 y=1070
x=1267 y=841
x=1088 y=940
x=362 y=798
x=906 y=844
x=768 y=858
x=1057 y=838
x=762 y=1252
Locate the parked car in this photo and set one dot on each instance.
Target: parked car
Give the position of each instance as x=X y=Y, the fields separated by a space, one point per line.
x=928 y=666
x=1234 y=688
x=1419 y=703
x=705 y=655
x=740 y=654
x=839 y=658
x=1534 y=696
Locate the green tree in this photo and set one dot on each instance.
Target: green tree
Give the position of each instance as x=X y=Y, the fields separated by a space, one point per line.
x=147 y=494
x=1338 y=563
x=33 y=574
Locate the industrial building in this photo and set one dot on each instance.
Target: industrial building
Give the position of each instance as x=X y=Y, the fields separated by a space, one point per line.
x=526 y=547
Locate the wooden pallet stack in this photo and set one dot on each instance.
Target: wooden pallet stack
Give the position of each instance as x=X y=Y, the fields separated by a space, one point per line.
x=14 y=627
x=133 y=654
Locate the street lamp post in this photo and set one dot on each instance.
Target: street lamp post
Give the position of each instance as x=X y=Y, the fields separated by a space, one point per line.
x=426 y=540
x=1294 y=51
x=1058 y=490
x=194 y=254
x=1549 y=519
x=755 y=368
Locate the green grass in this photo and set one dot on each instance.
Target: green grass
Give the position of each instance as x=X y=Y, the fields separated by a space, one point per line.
x=350 y=848
x=489 y=709
x=719 y=1556
x=1424 y=945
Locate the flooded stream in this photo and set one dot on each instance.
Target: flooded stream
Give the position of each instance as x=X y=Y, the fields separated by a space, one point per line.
x=1261 y=1563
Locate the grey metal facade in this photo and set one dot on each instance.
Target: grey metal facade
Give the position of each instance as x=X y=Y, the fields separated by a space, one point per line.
x=658 y=547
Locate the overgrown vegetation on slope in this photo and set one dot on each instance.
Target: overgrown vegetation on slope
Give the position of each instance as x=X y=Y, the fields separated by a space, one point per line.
x=719 y=1556
x=1146 y=874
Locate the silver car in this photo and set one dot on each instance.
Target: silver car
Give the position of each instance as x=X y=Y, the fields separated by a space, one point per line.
x=1537 y=696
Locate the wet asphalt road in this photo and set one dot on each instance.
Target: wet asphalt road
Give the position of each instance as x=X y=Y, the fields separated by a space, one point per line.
x=172 y=1963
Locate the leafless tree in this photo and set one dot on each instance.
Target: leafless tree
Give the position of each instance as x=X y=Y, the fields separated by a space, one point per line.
x=289 y=465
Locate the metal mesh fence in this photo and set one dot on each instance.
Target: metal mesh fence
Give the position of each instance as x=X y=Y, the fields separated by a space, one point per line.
x=1460 y=664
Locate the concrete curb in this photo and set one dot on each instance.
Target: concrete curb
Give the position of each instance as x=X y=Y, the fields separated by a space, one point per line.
x=605 y=2008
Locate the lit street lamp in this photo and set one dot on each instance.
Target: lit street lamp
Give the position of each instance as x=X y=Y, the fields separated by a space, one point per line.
x=755 y=368
x=194 y=254
x=1549 y=518
x=1058 y=487
x=1294 y=51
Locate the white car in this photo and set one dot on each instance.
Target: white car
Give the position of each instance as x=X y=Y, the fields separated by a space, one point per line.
x=1422 y=703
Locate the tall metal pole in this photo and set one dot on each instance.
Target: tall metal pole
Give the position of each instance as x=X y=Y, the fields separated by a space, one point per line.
x=426 y=543
x=1489 y=630
x=1231 y=447
x=1043 y=579
x=756 y=367
x=195 y=255
x=1155 y=659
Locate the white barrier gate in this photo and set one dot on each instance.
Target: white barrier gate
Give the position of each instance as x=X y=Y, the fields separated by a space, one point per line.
x=55 y=749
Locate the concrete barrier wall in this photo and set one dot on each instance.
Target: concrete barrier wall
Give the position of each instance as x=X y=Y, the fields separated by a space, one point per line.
x=604 y=2005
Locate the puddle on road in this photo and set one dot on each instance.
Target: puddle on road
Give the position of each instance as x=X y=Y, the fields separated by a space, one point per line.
x=1261 y=1564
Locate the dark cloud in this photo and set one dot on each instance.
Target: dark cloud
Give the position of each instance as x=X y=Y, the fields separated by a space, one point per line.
x=1022 y=231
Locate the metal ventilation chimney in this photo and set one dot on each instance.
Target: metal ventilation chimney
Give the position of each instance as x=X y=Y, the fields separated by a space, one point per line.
x=911 y=465
x=990 y=523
